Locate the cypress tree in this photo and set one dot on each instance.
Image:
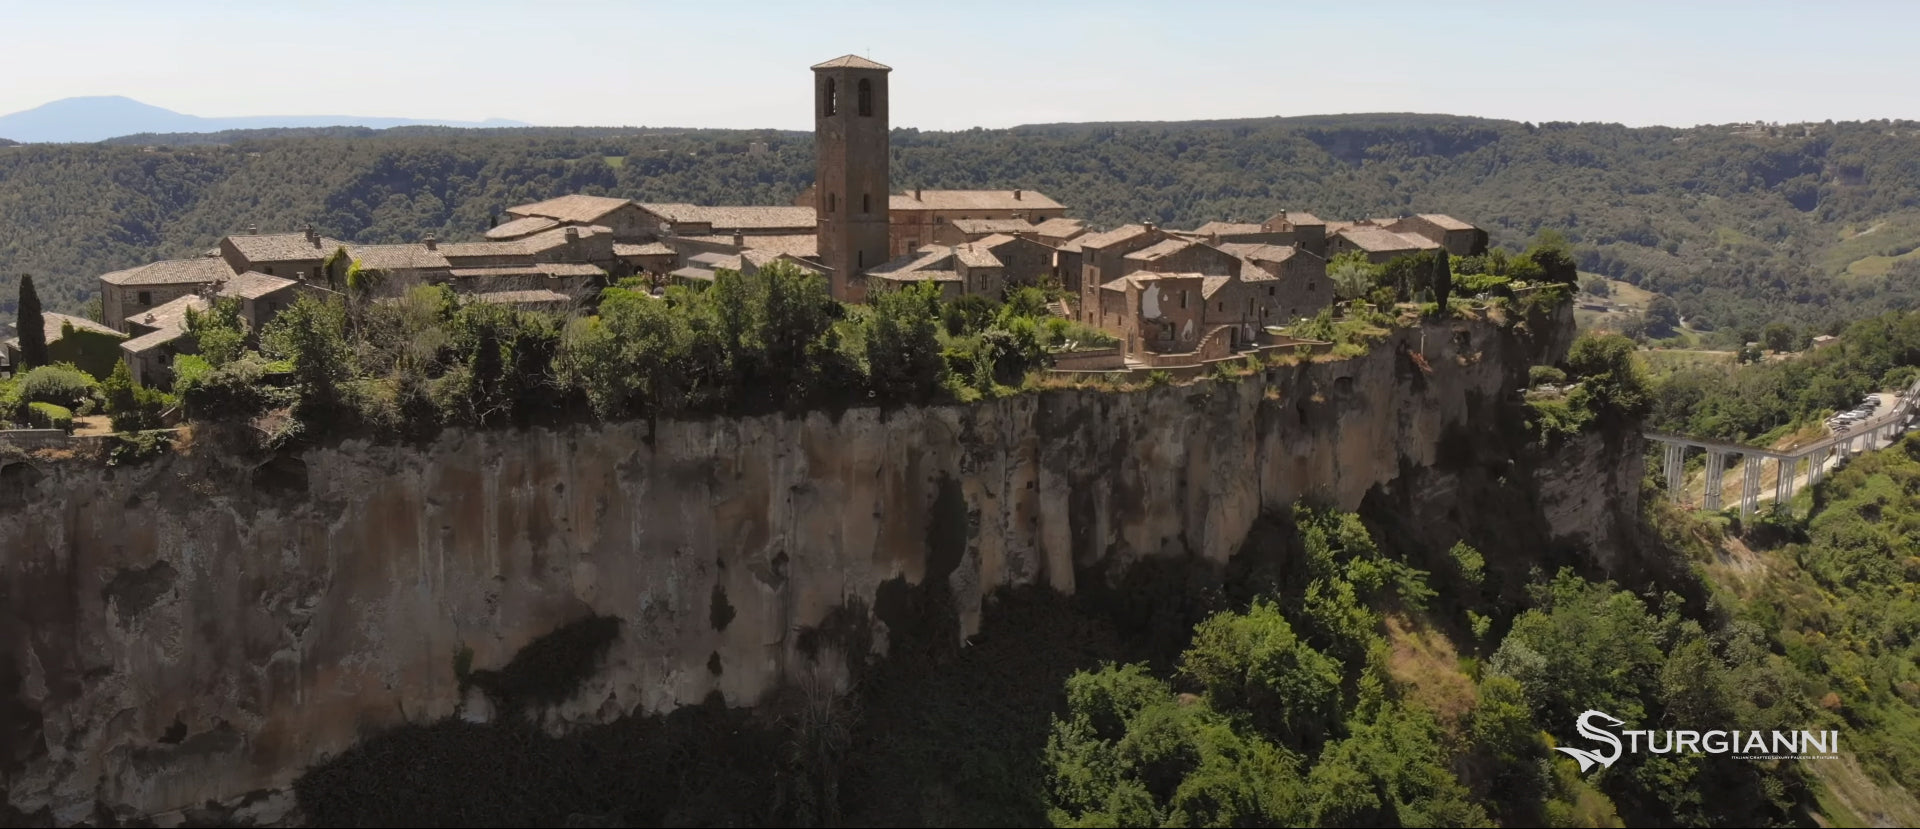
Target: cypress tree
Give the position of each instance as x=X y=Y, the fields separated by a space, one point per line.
x=32 y=326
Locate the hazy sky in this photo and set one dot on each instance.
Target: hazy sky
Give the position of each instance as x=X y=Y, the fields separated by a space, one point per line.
x=735 y=63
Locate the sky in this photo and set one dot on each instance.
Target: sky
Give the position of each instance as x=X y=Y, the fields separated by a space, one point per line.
x=743 y=64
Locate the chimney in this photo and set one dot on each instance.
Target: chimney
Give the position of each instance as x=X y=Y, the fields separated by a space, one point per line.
x=1016 y=195
x=253 y=230
x=313 y=238
x=573 y=235
x=1148 y=225
x=431 y=243
x=739 y=239
x=916 y=194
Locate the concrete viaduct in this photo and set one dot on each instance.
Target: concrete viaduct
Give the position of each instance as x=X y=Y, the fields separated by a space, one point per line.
x=1865 y=436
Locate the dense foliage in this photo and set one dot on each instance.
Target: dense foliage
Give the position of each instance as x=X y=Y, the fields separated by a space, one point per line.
x=1742 y=225
x=31 y=327
x=1304 y=708
x=1752 y=401
x=774 y=340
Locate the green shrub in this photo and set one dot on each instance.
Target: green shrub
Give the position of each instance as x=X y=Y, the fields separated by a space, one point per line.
x=60 y=384
x=49 y=416
x=1546 y=376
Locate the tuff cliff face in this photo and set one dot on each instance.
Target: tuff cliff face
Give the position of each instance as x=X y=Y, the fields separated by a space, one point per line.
x=177 y=632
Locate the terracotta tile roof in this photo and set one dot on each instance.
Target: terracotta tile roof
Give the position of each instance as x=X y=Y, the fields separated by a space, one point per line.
x=971 y=226
x=525 y=226
x=926 y=258
x=282 y=247
x=171 y=314
x=57 y=322
x=1164 y=247
x=398 y=257
x=763 y=217
x=1120 y=284
x=797 y=244
x=546 y=269
x=852 y=62
x=152 y=340
x=1299 y=218
x=528 y=246
x=172 y=272
x=1118 y=234
x=648 y=249
x=1380 y=240
x=996 y=240
x=1251 y=271
x=573 y=208
x=1212 y=285
x=1060 y=228
x=974 y=256
x=918 y=276
x=691 y=272
x=1227 y=229
x=536 y=297
x=254 y=285
x=972 y=200
x=1259 y=251
x=1447 y=222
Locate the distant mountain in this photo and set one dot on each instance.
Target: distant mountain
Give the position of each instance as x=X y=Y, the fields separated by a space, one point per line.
x=71 y=120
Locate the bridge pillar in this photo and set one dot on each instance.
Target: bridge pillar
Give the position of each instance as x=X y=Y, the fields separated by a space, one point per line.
x=1675 y=468
x=1716 y=465
x=1816 y=459
x=1750 y=486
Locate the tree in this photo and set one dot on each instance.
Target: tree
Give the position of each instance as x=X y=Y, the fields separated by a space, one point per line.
x=1352 y=275
x=1778 y=336
x=312 y=334
x=1612 y=384
x=32 y=327
x=903 y=344
x=219 y=332
x=1663 y=317
x=1596 y=286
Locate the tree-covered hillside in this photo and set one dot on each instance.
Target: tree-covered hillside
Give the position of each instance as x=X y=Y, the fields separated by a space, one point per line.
x=1742 y=225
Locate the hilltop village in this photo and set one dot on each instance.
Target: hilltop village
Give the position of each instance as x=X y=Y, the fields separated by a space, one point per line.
x=1168 y=297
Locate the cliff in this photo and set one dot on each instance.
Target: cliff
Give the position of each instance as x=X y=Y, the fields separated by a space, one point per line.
x=178 y=632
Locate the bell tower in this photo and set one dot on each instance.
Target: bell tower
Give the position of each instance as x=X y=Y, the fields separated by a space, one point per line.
x=851 y=175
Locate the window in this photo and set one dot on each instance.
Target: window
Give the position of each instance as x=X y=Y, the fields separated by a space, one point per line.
x=1269 y=290
x=830 y=202
x=859 y=258
x=146 y=298
x=866 y=199
x=833 y=95
x=866 y=97
x=1183 y=300
x=268 y=270
x=1310 y=286
x=1220 y=306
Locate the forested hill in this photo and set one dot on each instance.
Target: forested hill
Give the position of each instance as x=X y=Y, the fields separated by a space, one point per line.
x=1742 y=224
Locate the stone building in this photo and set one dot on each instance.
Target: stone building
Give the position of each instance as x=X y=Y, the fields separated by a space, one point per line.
x=93 y=347
x=852 y=170
x=921 y=216
x=621 y=217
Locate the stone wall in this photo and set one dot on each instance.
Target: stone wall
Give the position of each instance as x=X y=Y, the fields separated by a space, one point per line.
x=193 y=629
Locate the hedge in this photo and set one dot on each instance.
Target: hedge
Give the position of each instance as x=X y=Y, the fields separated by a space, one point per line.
x=49 y=416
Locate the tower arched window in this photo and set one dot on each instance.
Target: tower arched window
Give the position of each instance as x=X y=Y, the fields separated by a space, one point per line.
x=866 y=202
x=866 y=97
x=833 y=96
x=830 y=202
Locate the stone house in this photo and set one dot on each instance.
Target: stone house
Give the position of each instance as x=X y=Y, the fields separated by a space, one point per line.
x=1379 y=244
x=624 y=219
x=1300 y=288
x=93 y=347
x=916 y=217
x=1102 y=258
x=1457 y=237
x=135 y=290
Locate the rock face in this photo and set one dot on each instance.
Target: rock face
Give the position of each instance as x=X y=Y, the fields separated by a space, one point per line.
x=176 y=633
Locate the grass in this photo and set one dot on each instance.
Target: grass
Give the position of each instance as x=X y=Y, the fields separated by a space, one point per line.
x=1873 y=250
x=615 y=161
x=1666 y=361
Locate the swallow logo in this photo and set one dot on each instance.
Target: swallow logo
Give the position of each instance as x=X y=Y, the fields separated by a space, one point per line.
x=1588 y=730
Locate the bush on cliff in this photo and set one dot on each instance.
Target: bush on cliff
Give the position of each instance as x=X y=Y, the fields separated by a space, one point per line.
x=61 y=384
